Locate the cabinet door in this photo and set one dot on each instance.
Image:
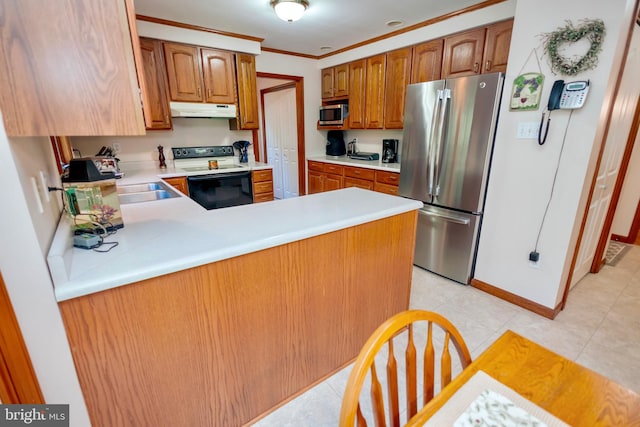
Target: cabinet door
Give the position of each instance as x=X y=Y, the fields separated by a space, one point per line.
x=218 y=69
x=340 y=80
x=156 y=79
x=315 y=181
x=179 y=183
x=463 y=54
x=247 y=91
x=332 y=182
x=426 y=64
x=183 y=72
x=398 y=73
x=327 y=83
x=496 y=47
x=357 y=85
x=374 y=94
x=70 y=69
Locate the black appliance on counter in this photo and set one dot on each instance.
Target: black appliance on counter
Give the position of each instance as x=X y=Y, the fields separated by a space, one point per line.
x=389 y=151
x=335 y=143
x=216 y=189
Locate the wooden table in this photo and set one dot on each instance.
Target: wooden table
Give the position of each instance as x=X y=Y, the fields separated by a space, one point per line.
x=573 y=393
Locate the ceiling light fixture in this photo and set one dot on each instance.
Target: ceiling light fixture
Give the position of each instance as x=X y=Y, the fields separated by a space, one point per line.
x=290 y=10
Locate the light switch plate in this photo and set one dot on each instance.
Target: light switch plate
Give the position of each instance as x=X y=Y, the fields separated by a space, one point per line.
x=528 y=130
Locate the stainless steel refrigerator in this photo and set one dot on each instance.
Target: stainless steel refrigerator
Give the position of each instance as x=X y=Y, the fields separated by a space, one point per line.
x=447 y=143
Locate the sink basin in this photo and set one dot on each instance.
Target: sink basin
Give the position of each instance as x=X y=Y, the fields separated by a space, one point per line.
x=139 y=188
x=147 y=192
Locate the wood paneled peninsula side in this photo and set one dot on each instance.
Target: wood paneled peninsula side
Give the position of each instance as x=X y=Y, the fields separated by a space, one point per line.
x=217 y=317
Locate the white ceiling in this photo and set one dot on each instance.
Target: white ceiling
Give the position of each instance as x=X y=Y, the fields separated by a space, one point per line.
x=334 y=23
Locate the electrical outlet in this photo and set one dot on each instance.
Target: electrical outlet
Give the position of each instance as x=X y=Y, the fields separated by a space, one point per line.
x=528 y=130
x=116 y=147
x=36 y=193
x=44 y=186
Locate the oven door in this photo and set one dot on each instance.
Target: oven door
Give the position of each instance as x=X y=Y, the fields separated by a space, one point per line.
x=221 y=190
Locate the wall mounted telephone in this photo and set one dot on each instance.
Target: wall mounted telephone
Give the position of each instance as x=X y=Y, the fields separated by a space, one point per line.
x=568 y=96
x=563 y=96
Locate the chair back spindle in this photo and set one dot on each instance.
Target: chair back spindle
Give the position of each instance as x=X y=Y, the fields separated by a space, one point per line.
x=400 y=326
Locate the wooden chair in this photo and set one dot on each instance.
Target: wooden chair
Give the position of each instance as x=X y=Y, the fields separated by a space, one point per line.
x=395 y=327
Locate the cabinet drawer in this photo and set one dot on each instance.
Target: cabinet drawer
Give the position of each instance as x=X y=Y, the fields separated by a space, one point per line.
x=262 y=175
x=392 y=178
x=360 y=183
x=266 y=197
x=386 y=188
x=263 y=187
x=361 y=173
x=315 y=166
x=334 y=169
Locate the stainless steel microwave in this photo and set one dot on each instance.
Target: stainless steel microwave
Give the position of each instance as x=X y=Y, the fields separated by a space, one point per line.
x=334 y=115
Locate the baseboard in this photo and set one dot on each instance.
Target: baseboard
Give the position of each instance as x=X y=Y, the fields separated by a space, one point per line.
x=547 y=312
x=622 y=239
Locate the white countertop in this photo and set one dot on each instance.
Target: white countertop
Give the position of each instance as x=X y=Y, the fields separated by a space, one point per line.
x=164 y=236
x=346 y=161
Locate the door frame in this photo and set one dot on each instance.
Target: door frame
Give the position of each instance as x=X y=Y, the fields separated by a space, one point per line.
x=602 y=242
x=18 y=382
x=297 y=83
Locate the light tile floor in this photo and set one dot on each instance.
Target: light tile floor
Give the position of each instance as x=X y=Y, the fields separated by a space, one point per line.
x=599 y=328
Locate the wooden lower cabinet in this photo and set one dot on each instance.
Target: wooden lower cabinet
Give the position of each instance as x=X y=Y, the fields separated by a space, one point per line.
x=262 y=181
x=224 y=343
x=328 y=176
x=179 y=183
x=324 y=177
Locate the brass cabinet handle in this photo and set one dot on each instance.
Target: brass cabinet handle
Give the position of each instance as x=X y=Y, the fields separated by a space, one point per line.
x=475 y=67
x=488 y=65
x=199 y=91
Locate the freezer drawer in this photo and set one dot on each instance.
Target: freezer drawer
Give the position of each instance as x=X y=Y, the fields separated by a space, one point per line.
x=446 y=242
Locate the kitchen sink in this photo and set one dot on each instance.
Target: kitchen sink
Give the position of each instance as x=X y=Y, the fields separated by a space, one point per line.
x=147 y=192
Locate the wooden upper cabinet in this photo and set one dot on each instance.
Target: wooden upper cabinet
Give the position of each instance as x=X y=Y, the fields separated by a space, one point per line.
x=426 y=64
x=357 y=86
x=496 y=47
x=199 y=74
x=183 y=71
x=55 y=79
x=335 y=81
x=374 y=93
x=247 y=93
x=156 y=79
x=463 y=54
x=341 y=80
x=398 y=72
x=218 y=69
x=327 y=82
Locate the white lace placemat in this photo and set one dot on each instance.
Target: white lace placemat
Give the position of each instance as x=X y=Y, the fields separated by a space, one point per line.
x=485 y=402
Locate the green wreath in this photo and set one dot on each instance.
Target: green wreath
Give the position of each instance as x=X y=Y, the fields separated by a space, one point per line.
x=592 y=30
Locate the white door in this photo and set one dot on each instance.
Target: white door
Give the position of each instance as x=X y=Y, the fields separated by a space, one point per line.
x=281 y=132
x=621 y=121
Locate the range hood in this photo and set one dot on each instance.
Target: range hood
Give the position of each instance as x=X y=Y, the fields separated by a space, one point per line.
x=195 y=109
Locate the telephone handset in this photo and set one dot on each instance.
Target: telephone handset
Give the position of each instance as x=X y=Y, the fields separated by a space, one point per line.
x=563 y=97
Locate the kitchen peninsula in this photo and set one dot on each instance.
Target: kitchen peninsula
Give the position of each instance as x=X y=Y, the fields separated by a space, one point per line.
x=217 y=317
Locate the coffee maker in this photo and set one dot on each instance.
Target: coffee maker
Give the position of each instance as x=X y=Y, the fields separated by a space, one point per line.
x=335 y=143
x=389 y=150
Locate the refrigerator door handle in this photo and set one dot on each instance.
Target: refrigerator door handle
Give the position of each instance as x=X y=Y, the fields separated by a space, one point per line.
x=433 y=141
x=451 y=218
x=445 y=96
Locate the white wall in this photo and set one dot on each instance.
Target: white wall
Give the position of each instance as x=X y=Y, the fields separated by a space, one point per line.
x=187 y=132
x=26 y=234
x=522 y=170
